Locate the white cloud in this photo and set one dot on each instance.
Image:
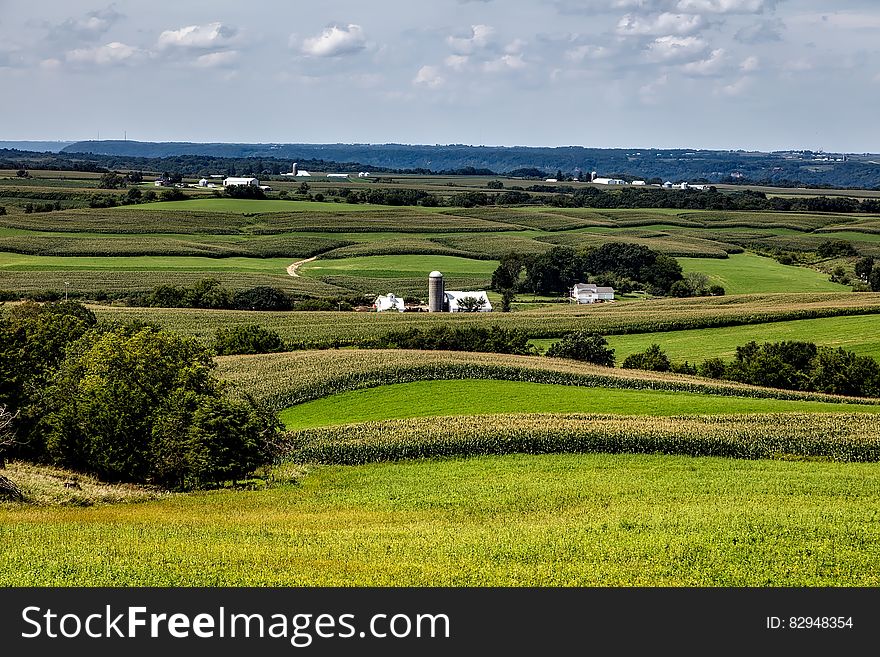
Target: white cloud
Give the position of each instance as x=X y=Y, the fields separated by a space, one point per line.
x=217 y=59
x=92 y=26
x=457 y=62
x=505 y=63
x=726 y=6
x=712 y=65
x=648 y=92
x=336 y=41
x=673 y=48
x=198 y=37
x=737 y=88
x=429 y=76
x=112 y=53
x=479 y=38
x=750 y=64
x=662 y=24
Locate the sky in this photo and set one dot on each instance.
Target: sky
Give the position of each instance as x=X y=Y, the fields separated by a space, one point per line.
x=727 y=74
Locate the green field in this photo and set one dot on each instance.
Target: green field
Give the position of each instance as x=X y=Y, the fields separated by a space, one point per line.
x=400 y=266
x=858 y=334
x=751 y=274
x=441 y=398
x=560 y=520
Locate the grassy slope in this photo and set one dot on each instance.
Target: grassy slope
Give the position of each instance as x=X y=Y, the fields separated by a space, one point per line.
x=439 y=398
x=515 y=520
x=751 y=274
x=400 y=266
x=858 y=334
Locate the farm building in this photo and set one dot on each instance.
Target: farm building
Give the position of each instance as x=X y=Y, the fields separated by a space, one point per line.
x=244 y=182
x=609 y=181
x=389 y=302
x=639 y=183
x=337 y=175
x=584 y=293
x=462 y=302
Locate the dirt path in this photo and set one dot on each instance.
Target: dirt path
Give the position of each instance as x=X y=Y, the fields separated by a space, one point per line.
x=296 y=265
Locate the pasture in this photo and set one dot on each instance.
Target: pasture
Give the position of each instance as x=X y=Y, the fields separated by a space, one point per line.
x=752 y=274
x=485 y=397
x=399 y=266
x=553 y=520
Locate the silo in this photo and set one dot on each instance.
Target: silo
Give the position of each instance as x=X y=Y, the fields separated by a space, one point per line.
x=436 y=292
x=294 y=169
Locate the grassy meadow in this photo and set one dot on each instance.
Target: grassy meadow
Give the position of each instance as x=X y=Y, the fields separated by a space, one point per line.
x=484 y=397
x=554 y=520
x=747 y=273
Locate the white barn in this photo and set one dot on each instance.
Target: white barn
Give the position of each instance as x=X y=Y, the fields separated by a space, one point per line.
x=245 y=182
x=454 y=301
x=389 y=302
x=584 y=293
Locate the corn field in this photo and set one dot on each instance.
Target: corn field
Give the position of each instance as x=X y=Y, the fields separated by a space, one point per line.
x=829 y=437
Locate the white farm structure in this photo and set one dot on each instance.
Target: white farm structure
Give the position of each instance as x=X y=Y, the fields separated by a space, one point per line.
x=241 y=182
x=587 y=293
x=462 y=302
x=389 y=302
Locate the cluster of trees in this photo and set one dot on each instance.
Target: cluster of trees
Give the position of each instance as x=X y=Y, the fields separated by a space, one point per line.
x=30 y=208
x=623 y=266
x=209 y=293
x=493 y=339
x=789 y=365
x=244 y=191
x=125 y=403
x=400 y=197
x=250 y=339
x=135 y=196
x=869 y=273
x=115 y=180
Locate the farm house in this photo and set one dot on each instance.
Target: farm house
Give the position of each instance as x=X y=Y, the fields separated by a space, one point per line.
x=459 y=302
x=389 y=302
x=584 y=293
x=244 y=182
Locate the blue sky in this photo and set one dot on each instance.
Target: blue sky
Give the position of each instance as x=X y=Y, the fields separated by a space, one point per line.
x=751 y=74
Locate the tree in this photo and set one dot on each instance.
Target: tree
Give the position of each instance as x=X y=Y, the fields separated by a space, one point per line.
x=262 y=297
x=507 y=298
x=864 y=267
x=251 y=339
x=7 y=435
x=716 y=291
x=653 y=359
x=874 y=280
x=111 y=180
x=836 y=249
x=144 y=406
x=471 y=304
x=304 y=188
x=698 y=282
x=681 y=289
x=22 y=173
x=584 y=346
x=495 y=184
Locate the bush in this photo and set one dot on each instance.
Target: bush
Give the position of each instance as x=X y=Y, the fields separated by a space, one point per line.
x=836 y=249
x=584 y=346
x=244 y=191
x=494 y=339
x=251 y=339
x=2 y=210
x=262 y=298
x=681 y=289
x=713 y=368
x=653 y=359
x=143 y=406
x=716 y=291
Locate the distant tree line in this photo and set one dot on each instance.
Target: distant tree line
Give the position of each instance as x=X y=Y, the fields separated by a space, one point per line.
x=789 y=365
x=123 y=402
x=492 y=339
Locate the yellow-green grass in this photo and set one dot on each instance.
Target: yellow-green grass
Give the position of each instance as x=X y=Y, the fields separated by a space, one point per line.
x=481 y=397
x=858 y=334
x=19 y=262
x=556 y=520
x=747 y=273
x=400 y=266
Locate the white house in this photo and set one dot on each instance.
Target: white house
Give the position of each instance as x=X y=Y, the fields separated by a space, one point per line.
x=583 y=293
x=245 y=182
x=454 y=301
x=389 y=302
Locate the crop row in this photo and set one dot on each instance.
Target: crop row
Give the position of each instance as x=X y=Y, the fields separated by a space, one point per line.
x=284 y=380
x=832 y=437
